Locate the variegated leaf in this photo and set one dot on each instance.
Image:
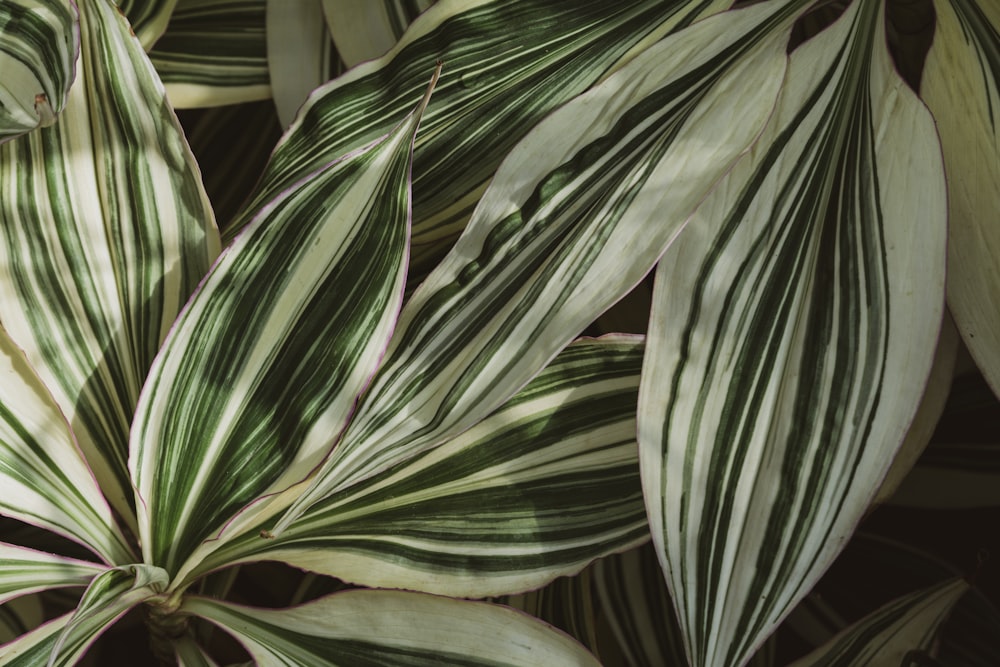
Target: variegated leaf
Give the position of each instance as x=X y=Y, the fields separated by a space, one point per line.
x=496 y=85
x=104 y=232
x=372 y=628
x=567 y=604
x=266 y=363
x=214 y=52
x=39 y=40
x=24 y=571
x=34 y=648
x=298 y=53
x=108 y=597
x=44 y=478
x=190 y=654
x=961 y=84
x=539 y=489
x=148 y=18
x=576 y=215
x=366 y=30
x=793 y=330
x=896 y=634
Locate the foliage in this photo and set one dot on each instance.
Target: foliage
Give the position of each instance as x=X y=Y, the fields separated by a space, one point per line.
x=368 y=349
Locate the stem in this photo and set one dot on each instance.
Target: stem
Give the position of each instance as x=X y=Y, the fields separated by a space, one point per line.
x=166 y=625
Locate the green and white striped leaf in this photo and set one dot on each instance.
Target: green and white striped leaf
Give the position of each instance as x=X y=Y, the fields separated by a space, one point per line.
x=148 y=18
x=44 y=478
x=537 y=490
x=39 y=40
x=377 y=628
x=104 y=232
x=932 y=405
x=24 y=571
x=263 y=369
x=190 y=654
x=108 y=597
x=793 y=329
x=634 y=600
x=34 y=648
x=495 y=86
x=366 y=30
x=893 y=635
x=214 y=52
x=576 y=215
x=566 y=604
x=961 y=85
x=298 y=53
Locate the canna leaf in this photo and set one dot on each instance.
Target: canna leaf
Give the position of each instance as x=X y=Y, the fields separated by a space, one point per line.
x=561 y=234
x=363 y=31
x=298 y=53
x=39 y=40
x=214 y=52
x=793 y=331
x=896 y=634
x=537 y=490
x=108 y=597
x=269 y=358
x=961 y=85
x=44 y=478
x=24 y=571
x=372 y=628
x=104 y=231
x=496 y=86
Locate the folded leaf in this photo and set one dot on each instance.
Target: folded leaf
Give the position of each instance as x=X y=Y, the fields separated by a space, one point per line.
x=539 y=489
x=104 y=232
x=375 y=628
x=897 y=634
x=39 y=40
x=793 y=331
x=961 y=85
x=264 y=366
x=214 y=52
x=563 y=232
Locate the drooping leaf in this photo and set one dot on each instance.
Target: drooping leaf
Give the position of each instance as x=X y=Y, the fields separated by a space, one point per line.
x=961 y=85
x=107 y=598
x=214 y=52
x=104 y=231
x=366 y=30
x=39 y=40
x=495 y=86
x=793 y=330
x=44 y=478
x=24 y=571
x=562 y=233
x=148 y=18
x=891 y=635
x=266 y=363
x=366 y=628
x=298 y=53
x=539 y=489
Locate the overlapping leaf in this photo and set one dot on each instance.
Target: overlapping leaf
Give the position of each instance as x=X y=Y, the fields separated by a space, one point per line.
x=148 y=18
x=24 y=571
x=563 y=232
x=104 y=231
x=539 y=489
x=496 y=85
x=900 y=633
x=793 y=330
x=38 y=46
x=298 y=53
x=264 y=367
x=363 y=31
x=45 y=480
x=34 y=648
x=961 y=84
x=214 y=52
x=372 y=628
